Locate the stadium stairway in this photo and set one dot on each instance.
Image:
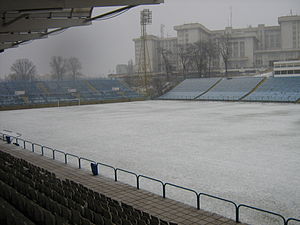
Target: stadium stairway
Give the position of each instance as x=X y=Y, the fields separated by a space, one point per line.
x=43 y=88
x=25 y=99
x=215 y=84
x=254 y=89
x=91 y=87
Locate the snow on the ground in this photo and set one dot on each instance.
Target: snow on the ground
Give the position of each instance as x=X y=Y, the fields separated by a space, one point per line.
x=246 y=152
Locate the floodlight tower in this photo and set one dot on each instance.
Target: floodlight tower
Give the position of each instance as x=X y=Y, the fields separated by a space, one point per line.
x=146 y=19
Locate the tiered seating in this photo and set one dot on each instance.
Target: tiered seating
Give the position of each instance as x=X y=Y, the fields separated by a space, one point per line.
x=3 y=89
x=190 y=88
x=272 y=89
x=105 y=87
x=43 y=92
x=231 y=88
x=277 y=89
x=31 y=195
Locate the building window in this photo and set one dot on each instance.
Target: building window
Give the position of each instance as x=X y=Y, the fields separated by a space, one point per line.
x=235 y=49
x=294 y=35
x=258 y=62
x=272 y=41
x=242 y=49
x=277 y=41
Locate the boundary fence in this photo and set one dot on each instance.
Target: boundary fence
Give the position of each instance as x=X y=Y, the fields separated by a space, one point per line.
x=237 y=207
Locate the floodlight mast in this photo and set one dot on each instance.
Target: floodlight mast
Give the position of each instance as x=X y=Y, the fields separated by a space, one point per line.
x=146 y=19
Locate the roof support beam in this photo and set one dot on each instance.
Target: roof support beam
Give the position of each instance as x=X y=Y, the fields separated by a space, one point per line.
x=31 y=25
x=22 y=5
x=5 y=46
x=19 y=37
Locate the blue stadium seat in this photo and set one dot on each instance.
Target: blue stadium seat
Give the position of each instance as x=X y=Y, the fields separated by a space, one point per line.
x=277 y=89
x=190 y=89
x=42 y=92
x=231 y=88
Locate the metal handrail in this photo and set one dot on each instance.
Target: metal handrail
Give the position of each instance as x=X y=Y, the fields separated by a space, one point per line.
x=257 y=209
x=222 y=199
x=183 y=188
x=291 y=219
x=69 y=154
x=82 y=158
x=151 y=178
x=29 y=142
x=24 y=142
x=126 y=171
x=45 y=147
x=55 y=150
x=33 y=144
x=109 y=166
x=286 y=221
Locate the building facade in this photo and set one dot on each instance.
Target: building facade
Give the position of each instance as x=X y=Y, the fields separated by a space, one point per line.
x=122 y=69
x=250 y=48
x=149 y=60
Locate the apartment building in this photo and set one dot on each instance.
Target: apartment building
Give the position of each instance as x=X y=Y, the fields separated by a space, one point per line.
x=250 y=48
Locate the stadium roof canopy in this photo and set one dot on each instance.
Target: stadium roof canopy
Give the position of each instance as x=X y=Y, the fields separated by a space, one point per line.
x=25 y=20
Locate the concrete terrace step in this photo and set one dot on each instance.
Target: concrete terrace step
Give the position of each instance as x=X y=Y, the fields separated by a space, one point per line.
x=165 y=209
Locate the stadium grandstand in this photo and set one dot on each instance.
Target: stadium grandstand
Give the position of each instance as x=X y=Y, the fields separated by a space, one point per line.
x=231 y=89
x=277 y=89
x=47 y=93
x=190 y=88
x=32 y=195
x=258 y=89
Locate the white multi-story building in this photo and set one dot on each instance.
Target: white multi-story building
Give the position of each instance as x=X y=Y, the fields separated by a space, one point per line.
x=251 y=47
x=151 y=54
x=122 y=69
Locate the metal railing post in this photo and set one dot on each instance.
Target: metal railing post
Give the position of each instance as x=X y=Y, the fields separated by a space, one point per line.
x=237 y=215
x=79 y=163
x=53 y=154
x=164 y=190
x=137 y=182
x=32 y=147
x=116 y=175
x=42 y=150
x=66 y=160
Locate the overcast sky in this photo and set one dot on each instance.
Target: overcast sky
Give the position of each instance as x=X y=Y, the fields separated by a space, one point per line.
x=104 y=44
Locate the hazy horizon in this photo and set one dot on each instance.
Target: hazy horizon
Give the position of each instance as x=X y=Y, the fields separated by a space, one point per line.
x=104 y=44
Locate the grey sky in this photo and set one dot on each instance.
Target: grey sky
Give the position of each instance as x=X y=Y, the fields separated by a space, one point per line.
x=104 y=44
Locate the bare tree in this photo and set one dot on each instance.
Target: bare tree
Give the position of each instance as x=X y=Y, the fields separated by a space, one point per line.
x=184 y=56
x=199 y=57
x=166 y=54
x=59 y=67
x=74 y=66
x=23 y=69
x=157 y=85
x=225 y=49
x=212 y=53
